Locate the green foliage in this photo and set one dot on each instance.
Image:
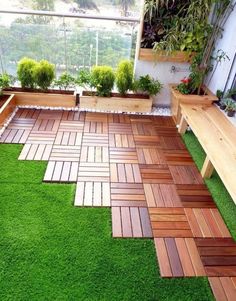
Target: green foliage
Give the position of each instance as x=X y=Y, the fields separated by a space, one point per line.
x=230 y=104
x=4 y=82
x=25 y=72
x=102 y=78
x=65 y=81
x=84 y=79
x=219 y=94
x=148 y=85
x=44 y=73
x=230 y=93
x=124 y=77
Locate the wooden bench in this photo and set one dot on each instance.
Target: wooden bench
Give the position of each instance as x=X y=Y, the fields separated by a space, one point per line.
x=217 y=135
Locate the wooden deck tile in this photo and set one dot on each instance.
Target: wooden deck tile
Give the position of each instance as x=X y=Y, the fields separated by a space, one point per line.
x=71 y=126
x=65 y=153
x=171 y=143
x=58 y=171
x=178 y=157
x=96 y=117
x=161 y=195
x=48 y=125
x=178 y=257
x=186 y=174
x=143 y=129
x=166 y=131
x=27 y=113
x=150 y=156
x=118 y=128
x=127 y=195
x=94 y=154
x=154 y=173
x=123 y=155
x=94 y=172
x=73 y=116
x=121 y=140
x=14 y=136
x=36 y=152
x=163 y=121
x=93 y=194
x=147 y=141
x=50 y=114
x=41 y=137
x=96 y=127
x=90 y=139
x=224 y=288
x=125 y=173
x=68 y=138
x=206 y=222
x=22 y=123
x=218 y=256
x=195 y=196
x=130 y=222
x=169 y=222
x=118 y=118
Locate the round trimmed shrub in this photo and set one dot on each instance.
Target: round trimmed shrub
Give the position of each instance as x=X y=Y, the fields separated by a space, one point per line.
x=44 y=73
x=25 y=72
x=103 y=78
x=124 y=77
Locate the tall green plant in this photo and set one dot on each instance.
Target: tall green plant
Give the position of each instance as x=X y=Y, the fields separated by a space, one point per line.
x=25 y=72
x=44 y=73
x=124 y=77
x=103 y=78
x=4 y=82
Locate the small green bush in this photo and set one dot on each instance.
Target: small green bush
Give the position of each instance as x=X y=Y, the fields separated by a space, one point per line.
x=25 y=72
x=124 y=77
x=65 y=81
x=44 y=73
x=148 y=85
x=4 y=82
x=103 y=78
x=84 y=78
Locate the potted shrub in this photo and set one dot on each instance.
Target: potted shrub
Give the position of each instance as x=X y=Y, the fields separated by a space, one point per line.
x=102 y=79
x=36 y=79
x=219 y=95
x=230 y=107
x=222 y=104
x=7 y=101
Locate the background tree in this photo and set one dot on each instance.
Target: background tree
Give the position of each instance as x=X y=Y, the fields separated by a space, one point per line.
x=87 y=4
x=125 y=5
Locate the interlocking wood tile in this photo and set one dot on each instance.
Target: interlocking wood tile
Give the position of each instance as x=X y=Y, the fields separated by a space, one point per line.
x=178 y=257
x=36 y=152
x=218 y=256
x=123 y=155
x=130 y=222
x=90 y=139
x=118 y=118
x=14 y=136
x=96 y=127
x=154 y=173
x=50 y=114
x=161 y=195
x=96 y=117
x=195 y=196
x=125 y=173
x=94 y=154
x=141 y=119
x=121 y=140
x=186 y=174
x=68 y=138
x=71 y=126
x=41 y=137
x=206 y=223
x=224 y=288
x=27 y=113
x=22 y=123
x=127 y=195
x=48 y=125
x=58 y=171
x=143 y=129
x=150 y=156
x=169 y=222
x=65 y=153
x=94 y=172
x=163 y=121
x=117 y=128
x=147 y=141
x=92 y=194
x=73 y=116
x=174 y=143
x=166 y=131
x=178 y=157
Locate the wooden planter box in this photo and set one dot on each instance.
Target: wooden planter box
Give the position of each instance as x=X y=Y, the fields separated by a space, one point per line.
x=177 y=98
x=51 y=99
x=7 y=108
x=121 y=104
x=163 y=56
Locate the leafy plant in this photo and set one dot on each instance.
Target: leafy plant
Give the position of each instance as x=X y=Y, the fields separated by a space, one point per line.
x=230 y=105
x=148 y=85
x=102 y=78
x=65 y=81
x=4 y=82
x=219 y=94
x=25 y=70
x=124 y=77
x=43 y=74
x=230 y=93
x=84 y=79
x=184 y=86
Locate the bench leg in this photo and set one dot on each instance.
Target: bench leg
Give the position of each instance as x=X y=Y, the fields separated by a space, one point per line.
x=207 y=169
x=183 y=126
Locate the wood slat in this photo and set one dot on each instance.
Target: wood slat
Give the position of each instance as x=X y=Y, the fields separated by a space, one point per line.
x=96 y=172
x=117 y=128
x=121 y=140
x=150 y=156
x=185 y=174
x=125 y=173
x=64 y=172
x=158 y=174
x=94 y=154
x=123 y=155
x=65 y=153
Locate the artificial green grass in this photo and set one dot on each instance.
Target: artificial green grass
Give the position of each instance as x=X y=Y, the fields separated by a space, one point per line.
x=221 y=196
x=50 y=250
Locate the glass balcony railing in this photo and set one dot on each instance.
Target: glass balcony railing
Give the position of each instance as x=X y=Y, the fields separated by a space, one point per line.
x=70 y=42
